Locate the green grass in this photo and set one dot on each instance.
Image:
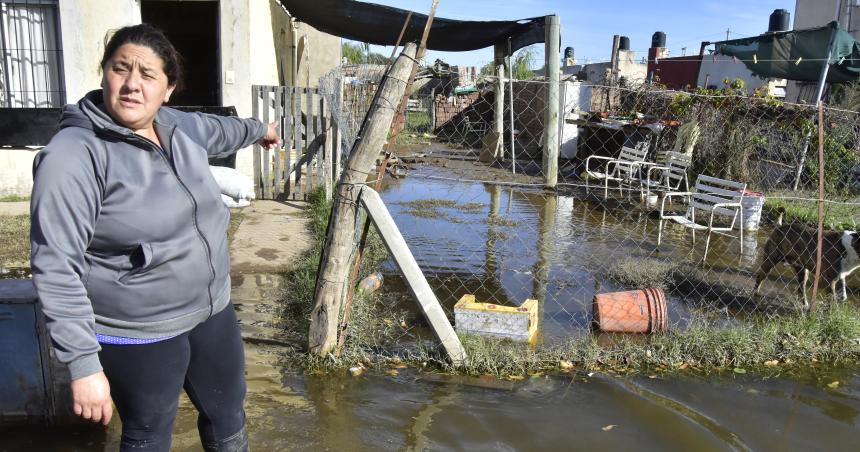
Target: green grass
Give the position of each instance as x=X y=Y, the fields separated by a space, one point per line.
x=296 y=299
x=14 y=198
x=235 y=220
x=831 y=335
x=641 y=272
x=836 y=216
x=431 y=208
x=418 y=121
x=15 y=237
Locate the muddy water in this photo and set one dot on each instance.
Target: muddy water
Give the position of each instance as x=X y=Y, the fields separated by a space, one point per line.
x=557 y=250
x=507 y=244
x=415 y=410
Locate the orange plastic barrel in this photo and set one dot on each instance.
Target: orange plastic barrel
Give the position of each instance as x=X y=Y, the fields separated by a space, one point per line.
x=632 y=311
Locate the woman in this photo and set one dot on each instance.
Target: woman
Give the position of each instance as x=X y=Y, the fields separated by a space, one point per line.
x=129 y=251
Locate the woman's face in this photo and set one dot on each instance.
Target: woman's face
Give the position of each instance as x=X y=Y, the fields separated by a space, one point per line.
x=134 y=86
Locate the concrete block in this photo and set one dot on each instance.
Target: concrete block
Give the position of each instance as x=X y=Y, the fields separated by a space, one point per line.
x=516 y=323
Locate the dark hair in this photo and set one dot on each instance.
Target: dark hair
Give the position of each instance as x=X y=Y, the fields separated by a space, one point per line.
x=148 y=36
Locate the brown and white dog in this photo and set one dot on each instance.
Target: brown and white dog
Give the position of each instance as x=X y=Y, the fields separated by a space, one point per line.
x=796 y=245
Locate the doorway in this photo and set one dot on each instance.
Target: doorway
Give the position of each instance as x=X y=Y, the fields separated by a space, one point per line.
x=192 y=27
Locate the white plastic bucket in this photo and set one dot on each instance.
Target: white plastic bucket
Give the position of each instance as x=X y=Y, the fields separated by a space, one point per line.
x=752 y=204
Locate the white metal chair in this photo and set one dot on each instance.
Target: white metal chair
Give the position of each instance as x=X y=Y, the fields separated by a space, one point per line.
x=667 y=177
x=712 y=197
x=624 y=169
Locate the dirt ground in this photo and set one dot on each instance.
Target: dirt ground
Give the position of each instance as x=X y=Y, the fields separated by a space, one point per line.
x=464 y=163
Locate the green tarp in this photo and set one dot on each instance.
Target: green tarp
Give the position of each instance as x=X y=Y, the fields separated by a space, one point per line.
x=799 y=54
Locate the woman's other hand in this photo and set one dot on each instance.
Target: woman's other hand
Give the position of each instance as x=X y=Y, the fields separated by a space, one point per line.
x=271 y=139
x=91 y=398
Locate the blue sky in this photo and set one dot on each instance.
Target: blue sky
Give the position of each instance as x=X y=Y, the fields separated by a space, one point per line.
x=588 y=26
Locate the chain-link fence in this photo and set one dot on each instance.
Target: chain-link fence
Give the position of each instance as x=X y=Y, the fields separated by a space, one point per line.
x=702 y=196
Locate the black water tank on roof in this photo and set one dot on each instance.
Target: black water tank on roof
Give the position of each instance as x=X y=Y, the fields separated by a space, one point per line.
x=658 y=39
x=568 y=52
x=779 y=21
x=624 y=43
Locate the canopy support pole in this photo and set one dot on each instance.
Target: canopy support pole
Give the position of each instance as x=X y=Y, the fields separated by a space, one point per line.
x=822 y=80
x=550 y=134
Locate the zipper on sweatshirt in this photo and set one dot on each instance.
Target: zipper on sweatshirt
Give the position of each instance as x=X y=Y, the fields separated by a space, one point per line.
x=206 y=247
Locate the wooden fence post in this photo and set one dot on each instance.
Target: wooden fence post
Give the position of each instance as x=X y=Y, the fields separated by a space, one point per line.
x=334 y=265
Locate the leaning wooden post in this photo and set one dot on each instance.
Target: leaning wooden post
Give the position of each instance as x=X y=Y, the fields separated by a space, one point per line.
x=333 y=275
x=550 y=134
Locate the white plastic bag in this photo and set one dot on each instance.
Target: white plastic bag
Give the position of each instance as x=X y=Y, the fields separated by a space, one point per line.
x=233 y=183
x=233 y=203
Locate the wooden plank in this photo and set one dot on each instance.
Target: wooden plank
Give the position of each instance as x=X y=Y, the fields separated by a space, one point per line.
x=288 y=140
x=255 y=112
x=327 y=157
x=267 y=161
x=309 y=138
x=336 y=151
x=278 y=92
x=319 y=129
x=297 y=135
x=415 y=280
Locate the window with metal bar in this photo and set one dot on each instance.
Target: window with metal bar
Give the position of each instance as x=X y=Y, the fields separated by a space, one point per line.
x=30 y=54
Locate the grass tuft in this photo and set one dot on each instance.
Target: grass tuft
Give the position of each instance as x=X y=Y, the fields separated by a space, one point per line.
x=15 y=237
x=836 y=216
x=14 y=198
x=641 y=272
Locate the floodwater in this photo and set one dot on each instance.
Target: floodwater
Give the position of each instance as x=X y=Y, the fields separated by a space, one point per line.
x=415 y=410
x=551 y=248
x=507 y=244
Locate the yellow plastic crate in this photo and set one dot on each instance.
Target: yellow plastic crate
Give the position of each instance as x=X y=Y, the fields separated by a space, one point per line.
x=516 y=323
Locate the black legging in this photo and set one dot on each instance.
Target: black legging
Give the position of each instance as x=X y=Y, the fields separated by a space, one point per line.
x=145 y=380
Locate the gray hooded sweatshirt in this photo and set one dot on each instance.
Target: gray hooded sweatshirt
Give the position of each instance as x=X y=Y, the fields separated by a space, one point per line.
x=129 y=239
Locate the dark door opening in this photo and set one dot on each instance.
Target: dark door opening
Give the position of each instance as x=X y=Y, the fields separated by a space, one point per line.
x=192 y=27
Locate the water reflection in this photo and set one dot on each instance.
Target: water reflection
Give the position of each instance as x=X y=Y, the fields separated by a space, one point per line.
x=414 y=410
x=523 y=242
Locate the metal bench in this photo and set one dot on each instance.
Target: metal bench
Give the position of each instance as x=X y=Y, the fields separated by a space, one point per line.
x=714 y=198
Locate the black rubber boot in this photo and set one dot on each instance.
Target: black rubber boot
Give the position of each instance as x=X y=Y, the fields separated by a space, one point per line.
x=237 y=442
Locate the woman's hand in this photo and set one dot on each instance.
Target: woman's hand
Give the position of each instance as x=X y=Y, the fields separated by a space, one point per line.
x=271 y=139
x=91 y=398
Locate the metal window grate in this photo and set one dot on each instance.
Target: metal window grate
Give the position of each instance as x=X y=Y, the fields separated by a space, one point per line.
x=30 y=55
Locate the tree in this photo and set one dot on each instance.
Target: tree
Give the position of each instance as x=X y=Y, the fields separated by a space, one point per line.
x=360 y=53
x=522 y=63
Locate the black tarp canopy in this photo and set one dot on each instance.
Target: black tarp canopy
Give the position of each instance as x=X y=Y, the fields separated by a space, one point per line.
x=378 y=24
x=799 y=54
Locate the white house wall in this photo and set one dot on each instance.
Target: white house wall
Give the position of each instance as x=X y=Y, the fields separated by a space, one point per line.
x=83 y=25
x=716 y=68
x=16 y=178
x=321 y=55
x=253 y=50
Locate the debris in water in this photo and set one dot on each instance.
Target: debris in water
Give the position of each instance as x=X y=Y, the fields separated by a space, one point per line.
x=833 y=385
x=565 y=364
x=609 y=427
x=356 y=371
